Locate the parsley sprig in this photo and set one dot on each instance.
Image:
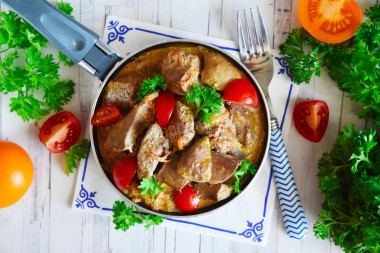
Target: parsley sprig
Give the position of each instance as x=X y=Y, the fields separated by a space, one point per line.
x=149 y=186
x=240 y=173
x=349 y=178
x=25 y=71
x=208 y=102
x=353 y=64
x=126 y=216
x=151 y=85
x=75 y=153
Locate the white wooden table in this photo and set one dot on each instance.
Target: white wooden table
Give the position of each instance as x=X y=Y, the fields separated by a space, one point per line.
x=43 y=220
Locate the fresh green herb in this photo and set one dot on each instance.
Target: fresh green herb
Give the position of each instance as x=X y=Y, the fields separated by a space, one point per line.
x=349 y=178
x=353 y=64
x=208 y=102
x=75 y=153
x=25 y=71
x=149 y=186
x=239 y=174
x=151 y=85
x=126 y=216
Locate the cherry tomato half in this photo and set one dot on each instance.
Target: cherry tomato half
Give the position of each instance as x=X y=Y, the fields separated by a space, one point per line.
x=311 y=119
x=330 y=21
x=60 y=132
x=16 y=173
x=123 y=171
x=106 y=115
x=187 y=200
x=241 y=91
x=164 y=107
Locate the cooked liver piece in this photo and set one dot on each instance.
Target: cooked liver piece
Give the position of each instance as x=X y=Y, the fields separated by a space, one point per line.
x=180 y=128
x=217 y=72
x=215 y=192
x=195 y=161
x=180 y=70
x=122 y=91
x=168 y=174
x=223 y=166
x=153 y=149
x=123 y=134
x=249 y=131
x=221 y=131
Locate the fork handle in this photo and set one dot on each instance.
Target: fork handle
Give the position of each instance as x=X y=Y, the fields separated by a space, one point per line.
x=290 y=204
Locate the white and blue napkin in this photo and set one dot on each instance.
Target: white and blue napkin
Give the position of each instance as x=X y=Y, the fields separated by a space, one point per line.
x=248 y=217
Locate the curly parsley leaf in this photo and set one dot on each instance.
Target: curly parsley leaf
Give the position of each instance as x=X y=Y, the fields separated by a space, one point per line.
x=349 y=179
x=151 y=85
x=241 y=172
x=75 y=153
x=207 y=100
x=149 y=186
x=25 y=71
x=125 y=217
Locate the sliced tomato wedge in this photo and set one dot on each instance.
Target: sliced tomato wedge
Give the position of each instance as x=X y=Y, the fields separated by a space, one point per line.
x=123 y=171
x=330 y=21
x=164 y=107
x=186 y=200
x=311 y=119
x=241 y=91
x=60 y=132
x=106 y=115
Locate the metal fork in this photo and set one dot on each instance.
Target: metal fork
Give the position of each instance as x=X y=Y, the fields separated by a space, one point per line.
x=258 y=59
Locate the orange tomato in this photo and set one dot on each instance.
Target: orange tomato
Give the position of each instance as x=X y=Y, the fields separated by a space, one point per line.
x=330 y=21
x=16 y=173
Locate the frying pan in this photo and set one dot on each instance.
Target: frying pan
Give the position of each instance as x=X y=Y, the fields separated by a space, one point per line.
x=86 y=49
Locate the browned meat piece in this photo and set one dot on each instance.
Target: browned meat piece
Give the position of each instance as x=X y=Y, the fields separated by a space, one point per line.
x=168 y=174
x=217 y=72
x=249 y=123
x=195 y=161
x=123 y=134
x=180 y=70
x=223 y=166
x=163 y=201
x=221 y=131
x=211 y=193
x=122 y=91
x=146 y=108
x=180 y=128
x=154 y=148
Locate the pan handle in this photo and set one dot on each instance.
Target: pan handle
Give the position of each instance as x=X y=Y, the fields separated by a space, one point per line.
x=80 y=44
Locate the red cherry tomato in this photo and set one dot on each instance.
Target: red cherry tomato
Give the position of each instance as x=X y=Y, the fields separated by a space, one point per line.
x=311 y=119
x=241 y=91
x=124 y=170
x=60 y=132
x=106 y=115
x=164 y=107
x=187 y=200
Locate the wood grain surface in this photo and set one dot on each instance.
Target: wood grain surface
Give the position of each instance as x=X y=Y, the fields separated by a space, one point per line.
x=42 y=221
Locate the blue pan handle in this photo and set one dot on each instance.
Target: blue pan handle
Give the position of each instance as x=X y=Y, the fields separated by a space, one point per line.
x=80 y=44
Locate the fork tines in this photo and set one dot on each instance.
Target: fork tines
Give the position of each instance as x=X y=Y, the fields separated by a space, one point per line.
x=259 y=44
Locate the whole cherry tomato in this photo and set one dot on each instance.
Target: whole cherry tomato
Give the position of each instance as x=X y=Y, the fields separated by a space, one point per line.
x=16 y=173
x=60 y=132
x=311 y=118
x=123 y=171
x=106 y=115
x=187 y=200
x=241 y=91
x=164 y=107
x=330 y=21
